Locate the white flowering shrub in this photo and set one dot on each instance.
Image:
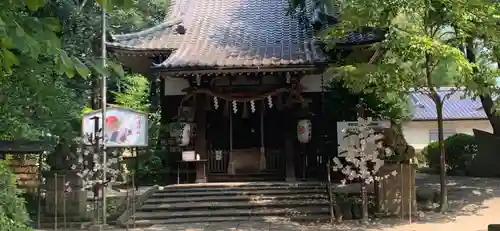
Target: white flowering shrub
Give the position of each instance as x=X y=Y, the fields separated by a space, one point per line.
x=89 y=164
x=360 y=161
x=361 y=158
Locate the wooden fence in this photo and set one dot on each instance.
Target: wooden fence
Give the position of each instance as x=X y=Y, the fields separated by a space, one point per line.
x=26 y=171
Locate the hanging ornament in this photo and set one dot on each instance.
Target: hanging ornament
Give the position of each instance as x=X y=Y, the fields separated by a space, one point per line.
x=270 y=101
x=198 y=80
x=288 y=77
x=245 y=110
x=252 y=106
x=235 y=107
x=216 y=103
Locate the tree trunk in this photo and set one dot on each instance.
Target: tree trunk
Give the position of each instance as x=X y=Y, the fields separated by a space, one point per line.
x=364 y=202
x=486 y=99
x=443 y=203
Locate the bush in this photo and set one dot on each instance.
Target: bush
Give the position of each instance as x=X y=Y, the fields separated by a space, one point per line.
x=13 y=214
x=460 y=150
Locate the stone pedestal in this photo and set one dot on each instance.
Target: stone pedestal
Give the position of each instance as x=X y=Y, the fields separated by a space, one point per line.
x=72 y=203
x=396 y=194
x=201 y=171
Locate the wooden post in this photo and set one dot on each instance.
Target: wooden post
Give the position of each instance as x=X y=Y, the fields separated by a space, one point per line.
x=200 y=140
x=289 y=147
x=230 y=166
x=262 y=161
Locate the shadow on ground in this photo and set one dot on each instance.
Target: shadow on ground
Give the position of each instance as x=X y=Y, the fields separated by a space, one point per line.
x=466 y=197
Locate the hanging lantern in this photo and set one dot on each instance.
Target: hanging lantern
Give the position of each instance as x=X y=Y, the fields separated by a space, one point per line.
x=186 y=134
x=304 y=128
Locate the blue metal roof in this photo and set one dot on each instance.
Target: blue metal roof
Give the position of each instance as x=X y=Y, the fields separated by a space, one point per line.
x=456 y=107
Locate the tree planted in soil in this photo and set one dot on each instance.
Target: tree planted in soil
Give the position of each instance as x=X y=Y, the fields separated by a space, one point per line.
x=362 y=159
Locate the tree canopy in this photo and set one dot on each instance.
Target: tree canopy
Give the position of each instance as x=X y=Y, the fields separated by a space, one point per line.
x=45 y=43
x=427 y=44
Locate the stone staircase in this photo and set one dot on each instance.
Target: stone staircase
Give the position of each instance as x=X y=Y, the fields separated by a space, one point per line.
x=218 y=202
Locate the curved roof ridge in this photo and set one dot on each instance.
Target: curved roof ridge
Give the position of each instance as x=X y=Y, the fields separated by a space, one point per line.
x=139 y=34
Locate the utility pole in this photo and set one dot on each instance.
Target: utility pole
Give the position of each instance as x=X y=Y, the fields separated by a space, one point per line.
x=103 y=110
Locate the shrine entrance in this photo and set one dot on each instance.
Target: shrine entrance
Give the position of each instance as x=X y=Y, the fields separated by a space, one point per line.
x=247 y=141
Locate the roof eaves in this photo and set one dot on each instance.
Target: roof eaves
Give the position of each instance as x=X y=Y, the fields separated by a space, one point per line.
x=121 y=37
x=117 y=48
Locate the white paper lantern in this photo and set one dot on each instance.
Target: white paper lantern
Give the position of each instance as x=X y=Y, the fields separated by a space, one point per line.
x=304 y=128
x=186 y=134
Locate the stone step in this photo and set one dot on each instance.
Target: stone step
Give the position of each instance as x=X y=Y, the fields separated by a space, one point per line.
x=248 y=198
x=243 y=185
x=237 y=192
x=238 y=204
x=193 y=220
x=240 y=188
x=244 y=178
x=230 y=212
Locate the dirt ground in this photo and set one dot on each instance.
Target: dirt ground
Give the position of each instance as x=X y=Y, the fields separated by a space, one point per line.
x=474 y=204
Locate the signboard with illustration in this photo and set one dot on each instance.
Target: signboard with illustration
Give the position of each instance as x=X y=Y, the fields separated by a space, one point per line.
x=124 y=127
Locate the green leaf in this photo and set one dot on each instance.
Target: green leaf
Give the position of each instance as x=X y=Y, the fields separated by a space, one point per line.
x=34 y=5
x=19 y=31
x=10 y=58
x=97 y=66
x=2 y=23
x=107 y=4
x=51 y=23
x=66 y=60
x=81 y=68
x=117 y=68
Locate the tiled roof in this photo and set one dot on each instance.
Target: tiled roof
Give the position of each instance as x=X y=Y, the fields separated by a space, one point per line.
x=234 y=33
x=160 y=37
x=455 y=108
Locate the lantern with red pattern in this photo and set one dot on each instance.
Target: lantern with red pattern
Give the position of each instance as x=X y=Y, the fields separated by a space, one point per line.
x=304 y=128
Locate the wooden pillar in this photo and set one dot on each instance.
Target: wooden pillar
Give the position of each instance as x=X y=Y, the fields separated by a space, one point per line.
x=289 y=114
x=200 y=140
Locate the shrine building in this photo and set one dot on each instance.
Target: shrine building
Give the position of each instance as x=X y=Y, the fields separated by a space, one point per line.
x=246 y=79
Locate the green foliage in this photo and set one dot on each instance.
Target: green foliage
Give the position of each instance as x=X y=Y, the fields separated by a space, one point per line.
x=39 y=101
x=13 y=214
x=380 y=105
x=25 y=34
x=134 y=94
x=35 y=97
x=460 y=150
x=151 y=167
